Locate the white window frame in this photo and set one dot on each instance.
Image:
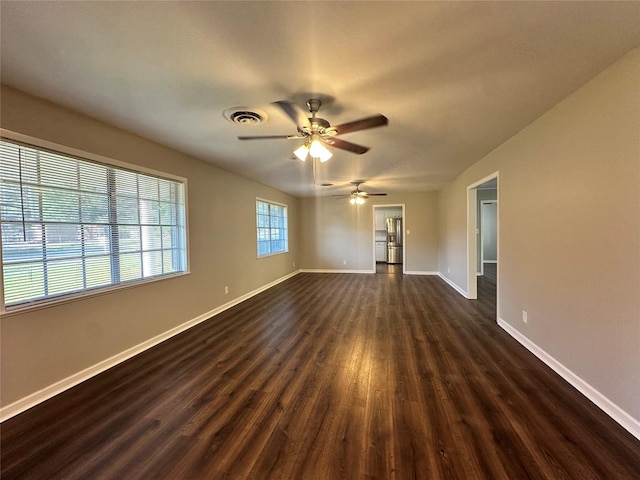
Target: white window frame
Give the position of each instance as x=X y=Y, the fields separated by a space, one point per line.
x=55 y=148
x=259 y=228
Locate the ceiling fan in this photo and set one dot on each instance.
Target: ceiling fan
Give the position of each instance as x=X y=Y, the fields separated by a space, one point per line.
x=358 y=196
x=317 y=132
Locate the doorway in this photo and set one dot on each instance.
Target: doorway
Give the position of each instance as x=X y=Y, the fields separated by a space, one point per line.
x=388 y=239
x=483 y=238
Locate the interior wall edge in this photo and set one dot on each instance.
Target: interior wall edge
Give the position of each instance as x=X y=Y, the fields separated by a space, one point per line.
x=625 y=420
x=35 y=398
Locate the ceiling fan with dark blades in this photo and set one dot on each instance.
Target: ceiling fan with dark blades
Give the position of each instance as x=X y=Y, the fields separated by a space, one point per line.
x=358 y=196
x=316 y=131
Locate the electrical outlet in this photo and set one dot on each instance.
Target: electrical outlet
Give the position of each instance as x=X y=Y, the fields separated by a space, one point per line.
x=408 y=232
x=525 y=318
x=448 y=269
x=344 y=262
x=226 y=290
x=294 y=264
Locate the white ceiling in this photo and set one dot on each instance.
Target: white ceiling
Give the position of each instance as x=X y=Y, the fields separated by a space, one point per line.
x=455 y=79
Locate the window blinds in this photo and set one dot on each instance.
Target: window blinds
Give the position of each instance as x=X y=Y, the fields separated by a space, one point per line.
x=71 y=225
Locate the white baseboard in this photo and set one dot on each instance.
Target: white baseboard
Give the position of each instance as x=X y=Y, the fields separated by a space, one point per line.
x=46 y=393
x=629 y=423
x=458 y=289
x=329 y=270
x=320 y=270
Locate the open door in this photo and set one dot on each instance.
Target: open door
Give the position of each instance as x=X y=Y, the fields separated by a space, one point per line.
x=488 y=237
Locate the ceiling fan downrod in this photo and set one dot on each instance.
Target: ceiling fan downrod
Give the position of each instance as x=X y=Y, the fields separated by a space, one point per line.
x=314 y=105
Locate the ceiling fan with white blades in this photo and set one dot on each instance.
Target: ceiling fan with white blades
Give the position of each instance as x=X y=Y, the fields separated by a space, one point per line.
x=316 y=132
x=357 y=196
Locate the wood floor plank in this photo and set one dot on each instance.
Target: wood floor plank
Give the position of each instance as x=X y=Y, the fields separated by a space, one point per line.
x=327 y=376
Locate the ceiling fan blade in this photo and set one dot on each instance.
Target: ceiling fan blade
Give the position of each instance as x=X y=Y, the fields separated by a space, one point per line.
x=295 y=113
x=344 y=145
x=362 y=124
x=341 y=196
x=266 y=137
x=376 y=194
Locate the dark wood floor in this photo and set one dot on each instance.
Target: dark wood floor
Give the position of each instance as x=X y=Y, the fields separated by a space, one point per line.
x=328 y=376
x=490 y=272
x=391 y=268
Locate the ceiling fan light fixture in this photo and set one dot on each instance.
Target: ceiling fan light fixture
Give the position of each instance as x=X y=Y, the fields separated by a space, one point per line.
x=357 y=196
x=317 y=150
x=315 y=132
x=301 y=152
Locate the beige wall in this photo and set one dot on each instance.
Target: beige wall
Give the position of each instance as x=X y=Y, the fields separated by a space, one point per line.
x=48 y=345
x=334 y=231
x=569 y=232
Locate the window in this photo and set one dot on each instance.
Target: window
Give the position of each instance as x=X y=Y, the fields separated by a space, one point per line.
x=70 y=226
x=271 y=221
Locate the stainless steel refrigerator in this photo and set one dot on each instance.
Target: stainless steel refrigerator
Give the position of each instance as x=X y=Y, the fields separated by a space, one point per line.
x=394 y=240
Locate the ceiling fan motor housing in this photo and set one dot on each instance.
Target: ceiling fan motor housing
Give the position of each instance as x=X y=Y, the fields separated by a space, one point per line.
x=314 y=105
x=319 y=122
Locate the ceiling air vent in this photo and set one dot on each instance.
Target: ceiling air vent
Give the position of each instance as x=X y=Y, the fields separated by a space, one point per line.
x=245 y=115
